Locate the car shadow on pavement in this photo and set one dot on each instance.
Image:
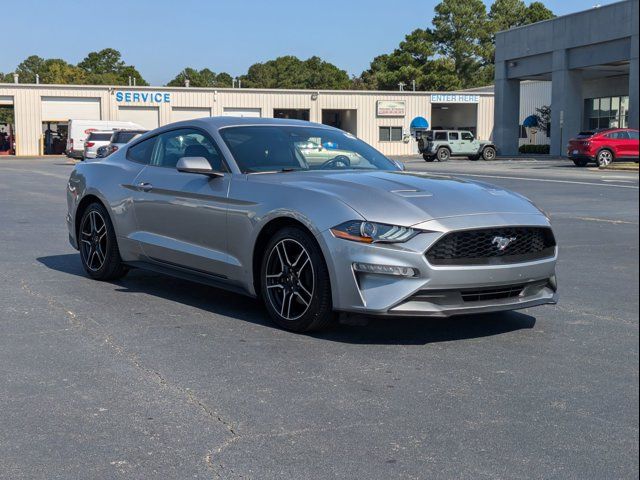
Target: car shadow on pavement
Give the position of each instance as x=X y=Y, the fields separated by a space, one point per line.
x=380 y=331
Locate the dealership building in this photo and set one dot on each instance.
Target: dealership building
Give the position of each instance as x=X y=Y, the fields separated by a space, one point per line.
x=590 y=61
x=383 y=119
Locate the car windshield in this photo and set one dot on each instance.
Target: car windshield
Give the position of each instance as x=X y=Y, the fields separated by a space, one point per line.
x=266 y=148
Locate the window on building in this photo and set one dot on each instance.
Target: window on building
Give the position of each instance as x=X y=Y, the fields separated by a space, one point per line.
x=606 y=112
x=390 y=134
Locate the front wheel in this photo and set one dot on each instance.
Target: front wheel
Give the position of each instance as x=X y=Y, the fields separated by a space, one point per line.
x=98 y=245
x=294 y=282
x=489 y=153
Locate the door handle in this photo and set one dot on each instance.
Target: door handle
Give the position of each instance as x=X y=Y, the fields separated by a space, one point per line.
x=144 y=186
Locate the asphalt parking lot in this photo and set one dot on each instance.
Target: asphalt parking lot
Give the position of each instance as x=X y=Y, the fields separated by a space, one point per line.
x=153 y=377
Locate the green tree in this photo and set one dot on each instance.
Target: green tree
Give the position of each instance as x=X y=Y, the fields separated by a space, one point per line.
x=291 y=72
x=107 y=60
x=462 y=34
x=201 y=78
x=29 y=68
x=414 y=60
x=106 y=67
x=57 y=71
x=506 y=14
x=537 y=12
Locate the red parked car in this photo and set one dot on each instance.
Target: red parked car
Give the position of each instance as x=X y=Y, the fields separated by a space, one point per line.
x=604 y=146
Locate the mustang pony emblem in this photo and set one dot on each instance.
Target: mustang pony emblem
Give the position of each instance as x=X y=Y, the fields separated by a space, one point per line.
x=502 y=242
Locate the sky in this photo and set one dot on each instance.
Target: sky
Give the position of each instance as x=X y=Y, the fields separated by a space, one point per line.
x=161 y=37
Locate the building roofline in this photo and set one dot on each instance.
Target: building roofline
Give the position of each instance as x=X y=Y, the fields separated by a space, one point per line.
x=581 y=12
x=233 y=90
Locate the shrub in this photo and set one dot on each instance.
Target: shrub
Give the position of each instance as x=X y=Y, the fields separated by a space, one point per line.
x=535 y=149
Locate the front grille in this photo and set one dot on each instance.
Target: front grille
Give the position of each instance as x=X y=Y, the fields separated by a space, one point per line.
x=480 y=295
x=486 y=246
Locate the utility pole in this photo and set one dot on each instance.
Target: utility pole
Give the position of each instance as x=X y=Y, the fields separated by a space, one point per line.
x=413 y=84
x=37 y=79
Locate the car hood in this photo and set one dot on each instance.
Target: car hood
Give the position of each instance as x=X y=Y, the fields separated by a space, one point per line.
x=404 y=198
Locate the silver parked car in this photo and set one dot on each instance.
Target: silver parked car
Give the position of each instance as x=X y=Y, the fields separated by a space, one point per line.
x=118 y=139
x=94 y=141
x=233 y=202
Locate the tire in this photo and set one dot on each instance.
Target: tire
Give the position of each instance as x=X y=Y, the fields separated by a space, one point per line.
x=474 y=157
x=98 y=245
x=488 y=153
x=443 y=154
x=580 y=163
x=604 y=158
x=427 y=158
x=294 y=282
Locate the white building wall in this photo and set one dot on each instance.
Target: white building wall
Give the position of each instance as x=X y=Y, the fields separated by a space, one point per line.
x=27 y=100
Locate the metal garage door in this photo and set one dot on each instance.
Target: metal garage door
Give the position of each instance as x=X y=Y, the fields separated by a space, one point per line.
x=180 y=113
x=66 y=108
x=242 y=112
x=147 y=117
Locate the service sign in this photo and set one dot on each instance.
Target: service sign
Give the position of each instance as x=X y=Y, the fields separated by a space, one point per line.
x=390 y=108
x=454 y=98
x=132 y=96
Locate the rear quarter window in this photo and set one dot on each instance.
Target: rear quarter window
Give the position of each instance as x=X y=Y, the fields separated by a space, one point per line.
x=440 y=136
x=141 y=152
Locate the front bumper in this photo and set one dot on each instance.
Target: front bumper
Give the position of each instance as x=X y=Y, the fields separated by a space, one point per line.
x=437 y=291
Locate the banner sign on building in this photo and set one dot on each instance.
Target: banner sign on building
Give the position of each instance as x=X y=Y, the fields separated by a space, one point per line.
x=390 y=108
x=454 y=98
x=142 y=97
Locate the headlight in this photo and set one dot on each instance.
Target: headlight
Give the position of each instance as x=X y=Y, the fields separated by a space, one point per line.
x=371 y=232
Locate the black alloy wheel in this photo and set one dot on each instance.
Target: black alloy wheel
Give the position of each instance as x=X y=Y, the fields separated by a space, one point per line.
x=295 y=282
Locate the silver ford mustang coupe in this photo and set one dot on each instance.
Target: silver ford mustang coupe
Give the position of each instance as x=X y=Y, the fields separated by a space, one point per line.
x=236 y=203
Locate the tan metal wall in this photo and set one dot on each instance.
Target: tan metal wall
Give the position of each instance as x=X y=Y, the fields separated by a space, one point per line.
x=27 y=103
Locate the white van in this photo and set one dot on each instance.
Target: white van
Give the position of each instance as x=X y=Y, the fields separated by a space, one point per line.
x=80 y=129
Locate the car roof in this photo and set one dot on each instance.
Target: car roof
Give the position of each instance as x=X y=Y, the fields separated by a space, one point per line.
x=225 y=121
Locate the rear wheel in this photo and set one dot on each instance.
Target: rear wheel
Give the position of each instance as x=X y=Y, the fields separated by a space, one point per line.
x=580 y=163
x=98 y=246
x=604 y=158
x=488 y=153
x=427 y=158
x=294 y=282
x=443 y=154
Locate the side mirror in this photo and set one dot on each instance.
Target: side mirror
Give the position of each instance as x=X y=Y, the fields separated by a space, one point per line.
x=196 y=165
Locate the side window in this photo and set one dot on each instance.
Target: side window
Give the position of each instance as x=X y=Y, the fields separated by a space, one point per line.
x=174 y=145
x=141 y=152
x=467 y=136
x=633 y=134
x=453 y=136
x=441 y=135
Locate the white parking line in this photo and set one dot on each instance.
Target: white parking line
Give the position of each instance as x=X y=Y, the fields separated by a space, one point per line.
x=547 y=180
